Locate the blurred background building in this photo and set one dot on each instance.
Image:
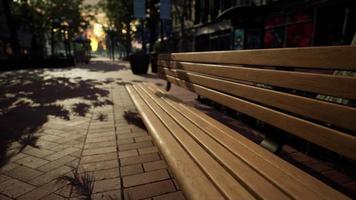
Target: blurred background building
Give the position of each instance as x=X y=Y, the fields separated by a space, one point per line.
x=206 y=25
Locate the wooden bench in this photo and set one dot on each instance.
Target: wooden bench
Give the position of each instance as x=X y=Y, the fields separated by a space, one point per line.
x=212 y=161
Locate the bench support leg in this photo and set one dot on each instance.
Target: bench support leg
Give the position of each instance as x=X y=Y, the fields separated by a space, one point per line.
x=168 y=86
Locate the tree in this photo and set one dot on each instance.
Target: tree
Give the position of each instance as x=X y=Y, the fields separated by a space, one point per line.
x=13 y=33
x=43 y=17
x=119 y=14
x=181 y=11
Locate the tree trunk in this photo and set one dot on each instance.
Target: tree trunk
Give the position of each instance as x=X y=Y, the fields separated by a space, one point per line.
x=11 y=25
x=52 y=42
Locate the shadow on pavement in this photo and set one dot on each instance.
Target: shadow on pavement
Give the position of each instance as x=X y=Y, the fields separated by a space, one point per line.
x=103 y=66
x=28 y=98
x=134 y=119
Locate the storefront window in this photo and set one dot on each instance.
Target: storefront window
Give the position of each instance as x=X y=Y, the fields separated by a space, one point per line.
x=274 y=38
x=299 y=35
x=293 y=30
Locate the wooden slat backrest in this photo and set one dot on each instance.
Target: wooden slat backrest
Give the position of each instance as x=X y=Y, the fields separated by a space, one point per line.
x=340 y=86
x=324 y=123
x=335 y=57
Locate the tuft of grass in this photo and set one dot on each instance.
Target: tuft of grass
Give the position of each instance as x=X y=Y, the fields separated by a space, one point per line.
x=82 y=183
x=28 y=140
x=102 y=117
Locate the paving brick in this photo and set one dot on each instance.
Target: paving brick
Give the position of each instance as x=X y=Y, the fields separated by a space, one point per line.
x=31 y=161
x=148 y=150
x=125 y=141
x=122 y=130
x=116 y=194
x=149 y=190
x=37 y=152
x=129 y=153
x=23 y=173
x=101 y=139
x=3 y=178
x=79 y=146
x=104 y=131
x=76 y=154
x=50 y=138
x=72 y=163
x=71 y=140
x=139 y=159
x=99 y=135
x=74 y=143
x=148 y=177
x=98 y=157
x=2 y=197
x=18 y=156
x=135 y=129
x=61 y=147
x=44 y=144
x=9 y=166
x=64 y=191
x=106 y=174
x=159 y=164
x=56 y=163
x=51 y=175
x=131 y=135
x=131 y=169
x=102 y=150
x=14 y=188
x=144 y=138
x=53 y=197
x=99 y=165
x=42 y=191
x=136 y=145
x=62 y=153
x=101 y=127
x=171 y=196
x=107 y=185
x=100 y=145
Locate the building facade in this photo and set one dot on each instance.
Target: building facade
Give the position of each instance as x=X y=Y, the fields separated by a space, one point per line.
x=249 y=24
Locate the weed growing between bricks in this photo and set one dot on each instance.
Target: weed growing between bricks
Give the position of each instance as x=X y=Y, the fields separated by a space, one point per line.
x=102 y=117
x=82 y=183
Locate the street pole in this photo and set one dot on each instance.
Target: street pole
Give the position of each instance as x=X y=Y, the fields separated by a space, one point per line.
x=143 y=36
x=162 y=36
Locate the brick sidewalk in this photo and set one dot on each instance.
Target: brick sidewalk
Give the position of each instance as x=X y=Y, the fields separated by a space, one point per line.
x=109 y=142
x=82 y=119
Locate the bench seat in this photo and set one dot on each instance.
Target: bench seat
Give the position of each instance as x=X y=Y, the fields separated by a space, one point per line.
x=212 y=161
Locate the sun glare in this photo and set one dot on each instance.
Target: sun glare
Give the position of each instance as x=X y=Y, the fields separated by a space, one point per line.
x=96 y=34
x=98 y=30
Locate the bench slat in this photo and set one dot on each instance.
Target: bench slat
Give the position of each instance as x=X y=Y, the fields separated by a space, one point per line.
x=284 y=175
x=219 y=176
x=337 y=141
x=246 y=175
x=179 y=161
x=338 y=86
x=332 y=57
x=312 y=108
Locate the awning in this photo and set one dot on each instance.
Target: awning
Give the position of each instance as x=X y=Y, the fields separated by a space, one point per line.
x=212 y=28
x=242 y=12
